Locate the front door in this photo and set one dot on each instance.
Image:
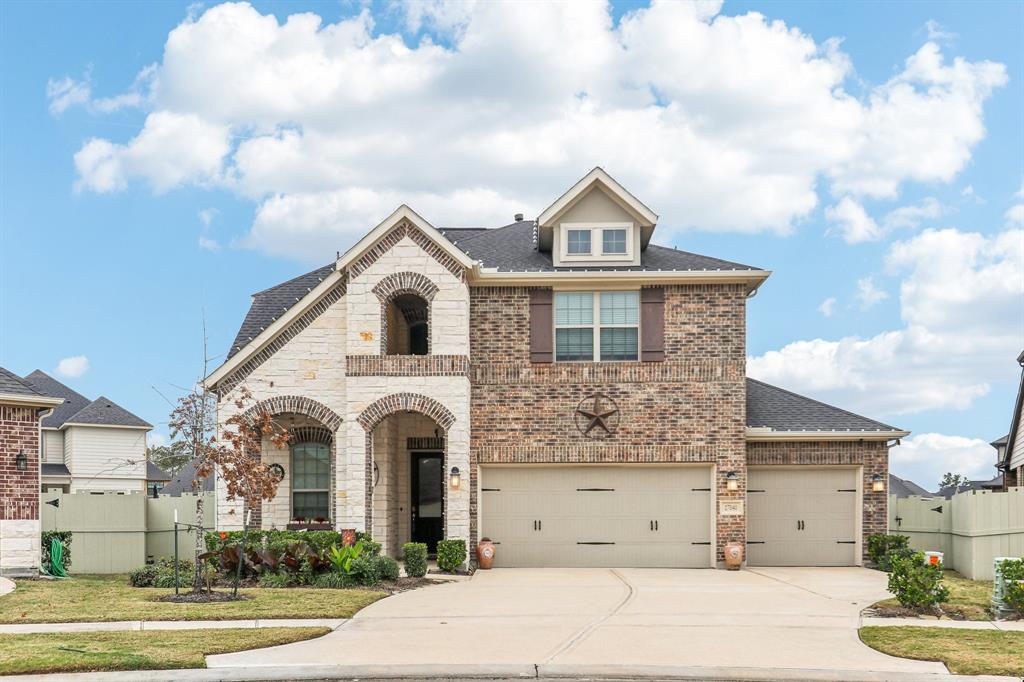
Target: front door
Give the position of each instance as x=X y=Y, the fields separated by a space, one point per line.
x=427 y=499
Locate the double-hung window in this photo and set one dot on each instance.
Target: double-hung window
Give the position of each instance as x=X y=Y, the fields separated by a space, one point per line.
x=593 y=326
x=578 y=243
x=311 y=480
x=613 y=241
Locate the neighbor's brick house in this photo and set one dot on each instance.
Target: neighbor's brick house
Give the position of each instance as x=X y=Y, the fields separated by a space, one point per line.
x=21 y=409
x=561 y=385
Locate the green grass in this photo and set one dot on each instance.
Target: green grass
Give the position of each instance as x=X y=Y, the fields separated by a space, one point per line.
x=965 y=652
x=153 y=650
x=110 y=597
x=973 y=598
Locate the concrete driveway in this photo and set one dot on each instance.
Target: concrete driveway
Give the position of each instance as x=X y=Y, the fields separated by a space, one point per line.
x=777 y=618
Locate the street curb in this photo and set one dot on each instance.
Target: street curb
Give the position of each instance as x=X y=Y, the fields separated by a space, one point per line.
x=501 y=672
x=152 y=625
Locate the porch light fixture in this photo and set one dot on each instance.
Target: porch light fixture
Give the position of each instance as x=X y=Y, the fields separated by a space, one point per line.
x=877 y=483
x=21 y=461
x=455 y=479
x=732 y=481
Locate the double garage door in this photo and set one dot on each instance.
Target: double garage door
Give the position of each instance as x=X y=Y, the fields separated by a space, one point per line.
x=663 y=516
x=606 y=516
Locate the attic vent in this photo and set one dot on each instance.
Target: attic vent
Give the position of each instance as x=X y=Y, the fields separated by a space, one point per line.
x=519 y=217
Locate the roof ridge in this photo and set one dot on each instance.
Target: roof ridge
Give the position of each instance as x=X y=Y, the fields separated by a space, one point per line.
x=824 y=404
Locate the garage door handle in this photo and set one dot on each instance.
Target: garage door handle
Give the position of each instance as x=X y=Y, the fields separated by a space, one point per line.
x=846 y=490
x=655 y=525
x=652 y=525
x=595 y=543
x=846 y=542
x=700 y=543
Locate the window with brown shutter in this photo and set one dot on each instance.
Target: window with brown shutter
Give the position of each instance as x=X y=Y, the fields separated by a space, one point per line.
x=652 y=324
x=540 y=325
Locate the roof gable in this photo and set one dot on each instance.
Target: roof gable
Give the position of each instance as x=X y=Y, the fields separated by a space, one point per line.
x=14 y=389
x=73 y=400
x=771 y=409
x=105 y=412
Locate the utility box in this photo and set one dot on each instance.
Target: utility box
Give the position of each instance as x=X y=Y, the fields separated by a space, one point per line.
x=999 y=586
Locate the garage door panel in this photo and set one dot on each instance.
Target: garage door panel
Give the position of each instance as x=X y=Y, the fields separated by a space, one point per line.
x=598 y=515
x=801 y=517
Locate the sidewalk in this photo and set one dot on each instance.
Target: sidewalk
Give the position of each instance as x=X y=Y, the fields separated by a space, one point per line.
x=137 y=625
x=1004 y=625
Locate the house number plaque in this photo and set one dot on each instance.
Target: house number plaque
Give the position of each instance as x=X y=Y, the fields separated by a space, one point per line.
x=730 y=508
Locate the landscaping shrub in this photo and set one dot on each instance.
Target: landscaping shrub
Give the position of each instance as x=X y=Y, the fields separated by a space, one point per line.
x=915 y=583
x=144 y=576
x=268 y=579
x=1013 y=588
x=451 y=554
x=277 y=540
x=333 y=580
x=387 y=568
x=46 y=539
x=414 y=556
x=342 y=556
x=365 y=570
x=882 y=549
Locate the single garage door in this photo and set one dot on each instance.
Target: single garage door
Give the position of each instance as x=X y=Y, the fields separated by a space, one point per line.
x=626 y=516
x=802 y=517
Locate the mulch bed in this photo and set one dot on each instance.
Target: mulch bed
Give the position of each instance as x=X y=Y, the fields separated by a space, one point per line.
x=912 y=612
x=202 y=597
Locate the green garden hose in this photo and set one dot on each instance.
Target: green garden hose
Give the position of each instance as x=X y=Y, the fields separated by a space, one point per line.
x=56 y=567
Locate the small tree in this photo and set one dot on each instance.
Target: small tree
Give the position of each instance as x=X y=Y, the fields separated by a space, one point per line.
x=171 y=458
x=951 y=480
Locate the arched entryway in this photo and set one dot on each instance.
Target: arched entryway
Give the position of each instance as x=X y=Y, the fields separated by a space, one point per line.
x=407 y=470
x=405 y=319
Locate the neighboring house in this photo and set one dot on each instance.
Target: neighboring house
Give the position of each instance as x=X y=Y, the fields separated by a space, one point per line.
x=182 y=482
x=901 y=487
x=22 y=406
x=562 y=385
x=987 y=484
x=90 y=445
x=156 y=479
x=1012 y=460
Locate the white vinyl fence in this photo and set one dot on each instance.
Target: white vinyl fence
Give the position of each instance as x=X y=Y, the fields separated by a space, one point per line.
x=970 y=529
x=114 y=533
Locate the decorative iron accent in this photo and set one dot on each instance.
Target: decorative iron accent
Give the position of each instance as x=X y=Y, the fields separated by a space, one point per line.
x=277 y=470
x=597 y=416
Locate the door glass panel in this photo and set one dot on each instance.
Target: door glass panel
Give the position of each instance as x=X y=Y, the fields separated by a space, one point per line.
x=429 y=488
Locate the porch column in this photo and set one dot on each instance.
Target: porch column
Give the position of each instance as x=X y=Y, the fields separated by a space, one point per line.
x=457 y=455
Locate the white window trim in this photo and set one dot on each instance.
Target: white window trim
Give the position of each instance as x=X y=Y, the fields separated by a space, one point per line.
x=595 y=325
x=596 y=230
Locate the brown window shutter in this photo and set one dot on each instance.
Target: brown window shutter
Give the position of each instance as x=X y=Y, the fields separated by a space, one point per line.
x=652 y=324
x=541 y=320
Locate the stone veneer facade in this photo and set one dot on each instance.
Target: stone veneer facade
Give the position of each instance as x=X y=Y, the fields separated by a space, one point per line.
x=19 y=490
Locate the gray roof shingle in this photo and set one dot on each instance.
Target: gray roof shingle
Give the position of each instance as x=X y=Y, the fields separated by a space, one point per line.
x=73 y=401
x=12 y=384
x=155 y=473
x=782 y=410
x=105 y=412
x=901 y=487
x=182 y=482
x=49 y=469
x=270 y=304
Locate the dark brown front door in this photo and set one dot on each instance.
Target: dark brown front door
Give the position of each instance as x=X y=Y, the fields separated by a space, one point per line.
x=427 y=499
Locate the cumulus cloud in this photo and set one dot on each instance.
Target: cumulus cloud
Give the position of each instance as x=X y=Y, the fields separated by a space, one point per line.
x=853 y=222
x=910 y=217
x=66 y=92
x=721 y=122
x=924 y=458
x=74 y=366
x=960 y=303
x=828 y=306
x=1015 y=215
x=868 y=294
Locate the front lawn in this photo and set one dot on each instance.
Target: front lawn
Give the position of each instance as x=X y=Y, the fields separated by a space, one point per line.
x=110 y=597
x=67 y=652
x=969 y=599
x=965 y=652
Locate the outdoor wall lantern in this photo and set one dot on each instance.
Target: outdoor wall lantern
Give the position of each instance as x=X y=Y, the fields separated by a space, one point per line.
x=732 y=481
x=455 y=479
x=21 y=461
x=877 y=483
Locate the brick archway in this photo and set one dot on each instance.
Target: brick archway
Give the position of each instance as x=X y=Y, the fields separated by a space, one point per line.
x=297 y=405
x=405 y=283
x=381 y=409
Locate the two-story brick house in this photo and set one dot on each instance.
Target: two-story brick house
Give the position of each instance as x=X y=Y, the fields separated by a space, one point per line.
x=561 y=385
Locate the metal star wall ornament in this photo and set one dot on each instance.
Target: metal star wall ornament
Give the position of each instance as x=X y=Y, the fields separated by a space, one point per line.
x=597 y=411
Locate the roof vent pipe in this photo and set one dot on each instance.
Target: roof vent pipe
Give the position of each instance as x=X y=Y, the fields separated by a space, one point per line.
x=519 y=217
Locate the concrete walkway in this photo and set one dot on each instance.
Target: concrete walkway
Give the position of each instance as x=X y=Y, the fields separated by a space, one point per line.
x=6 y=586
x=589 y=619
x=1003 y=625
x=138 y=625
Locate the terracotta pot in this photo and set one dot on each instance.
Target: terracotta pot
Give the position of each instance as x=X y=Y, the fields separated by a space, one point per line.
x=485 y=553
x=733 y=555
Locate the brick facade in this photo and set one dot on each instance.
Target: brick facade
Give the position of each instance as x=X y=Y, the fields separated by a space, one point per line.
x=689 y=408
x=873 y=456
x=19 y=491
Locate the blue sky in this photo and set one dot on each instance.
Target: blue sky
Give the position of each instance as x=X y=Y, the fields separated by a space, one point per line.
x=105 y=260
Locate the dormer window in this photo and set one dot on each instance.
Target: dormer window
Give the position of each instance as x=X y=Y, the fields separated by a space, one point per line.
x=578 y=243
x=613 y=241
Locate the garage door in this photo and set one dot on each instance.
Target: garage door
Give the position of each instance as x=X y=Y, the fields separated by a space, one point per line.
x=598 y=515
x=802 y=517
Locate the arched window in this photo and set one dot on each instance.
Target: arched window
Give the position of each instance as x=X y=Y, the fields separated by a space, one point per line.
x=311 y=481
x=408 y=325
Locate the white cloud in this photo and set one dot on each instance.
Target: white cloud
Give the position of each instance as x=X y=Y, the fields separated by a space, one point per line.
x=1015 y=215
x=208 y=244
x=74 y=366
x=854 y=224
x=719 y=122
x=912 y=216
x=868 y=294
x=155 y=439
x=924 y=458
x=207 y=215
x=960 y=302
x=66 y=92
x=828 y=306
x=938 y=32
